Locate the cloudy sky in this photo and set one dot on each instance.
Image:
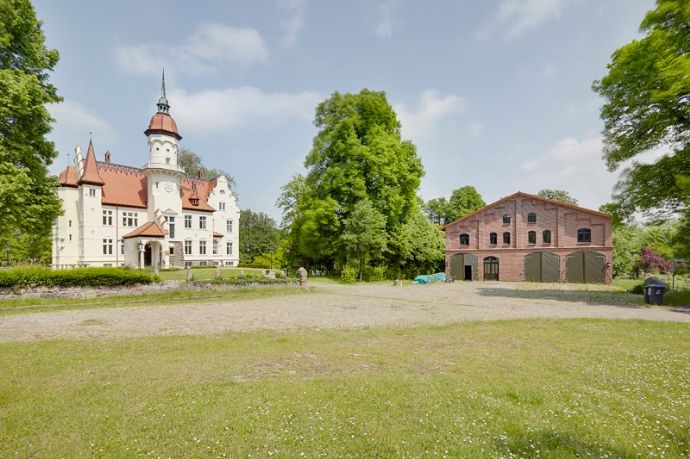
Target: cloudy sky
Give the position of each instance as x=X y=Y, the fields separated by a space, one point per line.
x=495 y=94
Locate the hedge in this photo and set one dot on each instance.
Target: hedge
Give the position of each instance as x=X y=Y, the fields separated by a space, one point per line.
x=34 y=276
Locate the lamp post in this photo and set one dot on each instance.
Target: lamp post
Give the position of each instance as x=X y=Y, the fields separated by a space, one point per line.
x=7 y=252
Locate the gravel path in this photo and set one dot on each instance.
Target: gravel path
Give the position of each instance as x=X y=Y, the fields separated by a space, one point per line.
x=332 y=306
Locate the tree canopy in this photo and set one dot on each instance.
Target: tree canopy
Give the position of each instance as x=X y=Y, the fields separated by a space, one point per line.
x=192 y=164
x=28 y=199
x=258 y=235
x=647 y=93
x=557 y=195
x=358 y=168
x=463 y=201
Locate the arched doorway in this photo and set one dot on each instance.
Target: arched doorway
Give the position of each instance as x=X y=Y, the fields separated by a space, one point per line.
x=147 y=254
x=491 y=268
x=585 y=268
x=542 y=267
x=463 y=266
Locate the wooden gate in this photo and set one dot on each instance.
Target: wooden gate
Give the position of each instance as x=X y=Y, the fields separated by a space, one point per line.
x=585 y=268
x=542 y=267
x=458 y=262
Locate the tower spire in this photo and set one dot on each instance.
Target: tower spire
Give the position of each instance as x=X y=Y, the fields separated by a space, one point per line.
x=163 y=106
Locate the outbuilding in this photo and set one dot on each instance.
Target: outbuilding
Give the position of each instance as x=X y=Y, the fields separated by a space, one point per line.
x=524 y=237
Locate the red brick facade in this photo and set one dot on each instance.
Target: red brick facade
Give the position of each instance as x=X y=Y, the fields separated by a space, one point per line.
x=562 y=220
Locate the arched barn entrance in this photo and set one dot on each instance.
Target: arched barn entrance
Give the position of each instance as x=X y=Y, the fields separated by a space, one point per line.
x=585 y=268
x=491 y=268
x=463 y=266
x=542 y=267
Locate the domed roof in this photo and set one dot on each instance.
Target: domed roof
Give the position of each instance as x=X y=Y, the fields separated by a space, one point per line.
x=163 y=123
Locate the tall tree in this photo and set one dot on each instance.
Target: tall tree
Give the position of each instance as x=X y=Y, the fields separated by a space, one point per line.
x=357 y=155
x=647 y=93
x=463 y=201
x=557 y=195
x=192 y=165
x=258 y=235
x=28 y=199
x=364 y=234
x=437 y=210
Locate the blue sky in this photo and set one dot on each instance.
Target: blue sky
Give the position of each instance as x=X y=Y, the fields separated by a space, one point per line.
x=495 y=94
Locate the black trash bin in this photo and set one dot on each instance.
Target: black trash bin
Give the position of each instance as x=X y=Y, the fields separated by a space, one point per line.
x=654 y=293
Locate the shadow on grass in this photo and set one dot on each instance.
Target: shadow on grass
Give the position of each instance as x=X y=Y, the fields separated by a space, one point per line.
x=559 y=444
x=582 y=296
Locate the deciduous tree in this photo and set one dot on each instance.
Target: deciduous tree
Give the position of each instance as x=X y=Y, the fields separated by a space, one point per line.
x=557 y=195
x=192 y=164
x=258 y=235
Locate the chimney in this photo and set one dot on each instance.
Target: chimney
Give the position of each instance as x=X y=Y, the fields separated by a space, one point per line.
x=107 y=156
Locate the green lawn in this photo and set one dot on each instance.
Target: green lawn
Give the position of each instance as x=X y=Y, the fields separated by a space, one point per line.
x=210 y=273
x=537 y=388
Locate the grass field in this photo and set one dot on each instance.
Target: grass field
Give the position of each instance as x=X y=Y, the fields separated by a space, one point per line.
x=537 y=388
x=210 y=273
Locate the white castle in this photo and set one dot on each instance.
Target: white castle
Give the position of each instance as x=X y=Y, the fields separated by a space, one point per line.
x=156 y=216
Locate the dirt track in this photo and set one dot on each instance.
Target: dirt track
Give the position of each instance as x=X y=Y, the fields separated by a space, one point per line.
x=332 y=306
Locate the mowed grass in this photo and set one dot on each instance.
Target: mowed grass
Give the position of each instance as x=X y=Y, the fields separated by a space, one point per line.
x=530 y=388
x=210 y=273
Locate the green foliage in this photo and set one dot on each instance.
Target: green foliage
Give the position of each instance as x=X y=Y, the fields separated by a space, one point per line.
x=28 y=202
x=646 y=91
x=557 y=195
x=348 y=274
x=364 y=235
x=192 y=165
x=463 y=201
x=627 y=244
x=258 y=235
x=374 y=273
x=357 y=157
x=35 y=276
x=417 y=247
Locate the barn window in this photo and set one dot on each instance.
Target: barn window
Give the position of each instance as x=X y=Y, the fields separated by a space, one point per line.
x=506 y=219
x=464 y=239
x=506 y=238
x=532 y=237
x=546 y=235
x=493 y=238
x=584 y=235
x=531 y=218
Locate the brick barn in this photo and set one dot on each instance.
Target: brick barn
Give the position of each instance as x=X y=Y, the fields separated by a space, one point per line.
x=523 y=237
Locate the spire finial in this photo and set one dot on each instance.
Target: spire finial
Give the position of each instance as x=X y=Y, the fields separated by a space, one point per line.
x=163 y=105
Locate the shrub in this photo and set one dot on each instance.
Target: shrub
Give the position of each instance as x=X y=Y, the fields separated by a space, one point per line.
x=32 y=276
x=348 y=274
x=638 y=289
x=374 y=273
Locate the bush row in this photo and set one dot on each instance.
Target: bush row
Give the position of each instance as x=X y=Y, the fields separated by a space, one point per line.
x=34 y=276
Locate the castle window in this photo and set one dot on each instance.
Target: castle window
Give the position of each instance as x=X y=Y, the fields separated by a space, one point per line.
x=188 y=221
x=546 y=235
x=107 y=246
x=215 y=247
x=464 y=239
x=506 y=238
x=532 y=237
x=228 y=226
x=493 y=238
x=171 y=226
x=108 y=217
x=202 y=222
x=70 y=223
x=187 y=247
x=228 y=248
x=167 y=160
x=506 y=219
x=221 y=206
x=202 y=247
x=122 y=247
x=531 y=218
x=130 y=219
x=92 y=192
x=70 y=237
x=584 y=235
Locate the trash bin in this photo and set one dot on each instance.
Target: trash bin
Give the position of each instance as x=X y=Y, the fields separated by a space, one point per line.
x=654 y=293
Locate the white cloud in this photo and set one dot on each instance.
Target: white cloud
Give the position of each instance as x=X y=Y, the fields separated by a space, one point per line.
x=431 y=110
x=215 y=110
x=294 y=23
x=73 y=117
x=518 y=16
x=384 y=27
x=210 y=46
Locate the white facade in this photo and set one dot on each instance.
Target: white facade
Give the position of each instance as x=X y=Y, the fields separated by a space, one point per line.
x=156 y=216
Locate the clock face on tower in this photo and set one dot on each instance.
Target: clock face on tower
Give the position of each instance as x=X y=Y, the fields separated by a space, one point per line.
x=169 y=187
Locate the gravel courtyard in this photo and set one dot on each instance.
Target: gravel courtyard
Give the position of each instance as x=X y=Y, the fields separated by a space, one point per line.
x=333 y=305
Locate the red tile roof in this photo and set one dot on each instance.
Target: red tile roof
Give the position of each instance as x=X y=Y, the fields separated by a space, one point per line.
x=90 y=174
x=150 y=229
x=163 y=123
x=68 y=177
x=217 y=234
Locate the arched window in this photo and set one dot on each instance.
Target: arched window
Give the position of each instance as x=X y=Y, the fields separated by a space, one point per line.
x=493 y=238
x=464 y=239
x=584 y=235
x=532 y=218
x=506 y=219
x=532 y=237
x=506 y=237
x=546 y=235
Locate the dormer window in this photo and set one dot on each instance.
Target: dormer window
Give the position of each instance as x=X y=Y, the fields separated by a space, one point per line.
x=194 y=201
x=506 y=219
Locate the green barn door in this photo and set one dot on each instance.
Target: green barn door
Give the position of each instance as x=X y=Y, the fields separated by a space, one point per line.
x=457 y=266
x=585 y=267
x=542 y=267
x=533 y=267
